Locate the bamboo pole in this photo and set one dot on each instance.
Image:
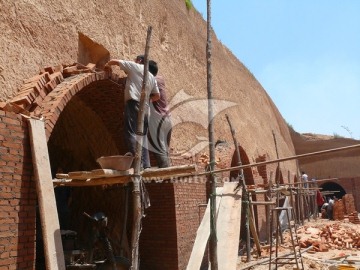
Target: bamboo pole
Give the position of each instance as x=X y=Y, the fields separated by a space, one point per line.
x=235 y=168
x=253 y=230
x=317 y=180
x=213 y=238
x=268 y=209
x=277 y=181
x=137 y=178
x=245 y=194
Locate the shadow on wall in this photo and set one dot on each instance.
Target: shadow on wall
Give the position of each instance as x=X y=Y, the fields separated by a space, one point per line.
x=92 y=52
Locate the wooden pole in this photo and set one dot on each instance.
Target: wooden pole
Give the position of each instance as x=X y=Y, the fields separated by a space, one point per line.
x=277 y=181
x=253 y=228
x=235 y=168
x=246 y=198
x=137 y=178
x=268 y=210
x=213 y=238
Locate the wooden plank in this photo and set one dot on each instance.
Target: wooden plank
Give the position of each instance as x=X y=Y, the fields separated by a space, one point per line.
x=263 y=203
x=110 y=173
x=228 y=226
x=62 y=175
x=92 y=181
x=168 y=172
x=80 y=175
x=54 y=255
x=202 y=236
x=98 y=173
x=353 y=259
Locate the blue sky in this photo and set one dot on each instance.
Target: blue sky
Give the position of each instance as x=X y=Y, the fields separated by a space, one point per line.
x=306 y=55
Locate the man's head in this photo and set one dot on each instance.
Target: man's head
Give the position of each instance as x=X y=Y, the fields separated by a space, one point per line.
x=140 y=59
x=153 y=68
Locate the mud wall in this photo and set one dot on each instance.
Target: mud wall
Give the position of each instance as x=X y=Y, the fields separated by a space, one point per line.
x=38 y=34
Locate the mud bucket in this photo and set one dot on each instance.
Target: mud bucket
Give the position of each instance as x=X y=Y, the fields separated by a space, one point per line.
x=119 y=163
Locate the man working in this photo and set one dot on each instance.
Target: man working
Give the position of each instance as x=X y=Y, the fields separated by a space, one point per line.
x=160 y=125
x=134 y=81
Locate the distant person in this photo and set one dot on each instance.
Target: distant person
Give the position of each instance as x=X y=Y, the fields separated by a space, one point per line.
x=319 y=200
x=160 y=125
x=304 y=178
x=330 y=209
x=133 y=88
x=324 y=211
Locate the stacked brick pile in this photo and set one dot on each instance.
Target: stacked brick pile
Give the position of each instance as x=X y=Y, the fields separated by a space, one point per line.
x=325 y=237
x=345 y=208
x=349 y=203
x=349 y=209
x=338 y=210
x=354 y=218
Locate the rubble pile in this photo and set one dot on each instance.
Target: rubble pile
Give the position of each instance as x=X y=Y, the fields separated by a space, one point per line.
x=325 y=237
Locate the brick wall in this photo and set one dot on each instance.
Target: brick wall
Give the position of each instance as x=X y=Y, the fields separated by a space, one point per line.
x=189 y=200
x=17 y=195
x=158 y=241
x=170 y=225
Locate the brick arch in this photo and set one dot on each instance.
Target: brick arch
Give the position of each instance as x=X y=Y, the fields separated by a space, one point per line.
x=55 y=102
x=74 y=102
x=279 y=176
x=249 y=178
x=334 y=186
x=47 y=94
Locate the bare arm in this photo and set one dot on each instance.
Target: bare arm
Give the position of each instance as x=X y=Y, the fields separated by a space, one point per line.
x=112 y=62
x=154 y=97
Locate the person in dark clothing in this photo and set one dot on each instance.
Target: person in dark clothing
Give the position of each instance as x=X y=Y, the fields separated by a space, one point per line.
x=160 y=125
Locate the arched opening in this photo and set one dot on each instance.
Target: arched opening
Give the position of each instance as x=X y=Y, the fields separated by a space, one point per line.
x=278 y=176
x=249 y=180
x=90 y=126
x=86 y=123
x=332 y=189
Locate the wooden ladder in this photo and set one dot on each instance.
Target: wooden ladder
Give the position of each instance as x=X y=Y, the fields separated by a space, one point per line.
x=296 y=257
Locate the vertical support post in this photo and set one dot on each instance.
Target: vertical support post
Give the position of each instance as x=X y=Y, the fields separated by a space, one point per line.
x=268 y=210
x=277 y=181
x=245 y=193
x=213 y=237
x=137 y=181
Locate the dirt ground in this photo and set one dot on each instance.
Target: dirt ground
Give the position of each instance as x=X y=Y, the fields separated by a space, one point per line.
x=334 y=258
